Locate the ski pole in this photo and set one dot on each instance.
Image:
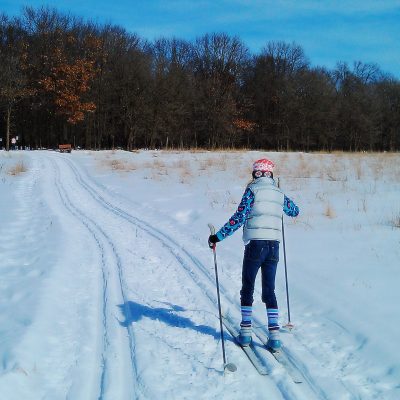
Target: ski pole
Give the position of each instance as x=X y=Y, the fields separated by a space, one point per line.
x=289 y=325
x=229 y=366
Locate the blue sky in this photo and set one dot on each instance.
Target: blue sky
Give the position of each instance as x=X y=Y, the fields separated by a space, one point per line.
x=328 y=31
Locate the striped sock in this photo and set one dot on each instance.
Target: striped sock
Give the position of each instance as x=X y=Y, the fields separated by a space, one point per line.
x=273 y=325
x=246 y=316
x=245 y=325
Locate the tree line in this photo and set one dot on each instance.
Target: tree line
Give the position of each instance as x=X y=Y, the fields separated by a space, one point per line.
x=68 y=80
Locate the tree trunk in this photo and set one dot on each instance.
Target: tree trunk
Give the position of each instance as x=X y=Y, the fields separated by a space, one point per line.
x=130 y=139
x=65 y=133
x=8 y=128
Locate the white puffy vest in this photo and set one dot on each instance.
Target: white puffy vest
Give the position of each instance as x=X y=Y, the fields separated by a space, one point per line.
x=265 y=219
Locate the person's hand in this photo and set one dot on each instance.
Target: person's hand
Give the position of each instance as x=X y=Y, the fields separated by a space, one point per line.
x=212 y=240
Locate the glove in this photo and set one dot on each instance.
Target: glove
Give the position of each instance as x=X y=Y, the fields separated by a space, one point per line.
x=212 y=240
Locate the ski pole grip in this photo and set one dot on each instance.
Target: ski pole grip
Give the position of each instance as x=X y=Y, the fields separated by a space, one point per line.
x=212 y=229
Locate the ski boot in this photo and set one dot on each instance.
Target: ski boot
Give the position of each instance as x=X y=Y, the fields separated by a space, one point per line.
x=244 y=337
x=274 y=343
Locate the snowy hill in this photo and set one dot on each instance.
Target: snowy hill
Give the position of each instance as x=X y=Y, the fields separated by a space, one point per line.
x=107 y=286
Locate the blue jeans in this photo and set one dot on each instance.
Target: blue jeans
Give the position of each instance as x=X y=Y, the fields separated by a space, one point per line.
x=264 y=254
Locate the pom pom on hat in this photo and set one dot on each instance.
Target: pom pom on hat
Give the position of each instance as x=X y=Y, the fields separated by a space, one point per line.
x=263 y=165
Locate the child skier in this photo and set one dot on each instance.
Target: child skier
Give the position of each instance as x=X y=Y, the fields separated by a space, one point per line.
x=260 y=211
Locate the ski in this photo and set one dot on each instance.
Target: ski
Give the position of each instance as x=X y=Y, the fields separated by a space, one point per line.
x=248 y=350
x=281 y=357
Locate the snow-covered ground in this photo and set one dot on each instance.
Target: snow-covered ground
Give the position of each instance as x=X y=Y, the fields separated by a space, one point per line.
x=107 y=286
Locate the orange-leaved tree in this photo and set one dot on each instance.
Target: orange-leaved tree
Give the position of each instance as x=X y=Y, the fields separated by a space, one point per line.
x=246 y=126
x=70 y=79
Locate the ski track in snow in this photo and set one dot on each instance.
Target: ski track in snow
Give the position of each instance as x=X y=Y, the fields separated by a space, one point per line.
x=184 y=258
x=106 y=247
x=165 y=241
x=97 y=233
x=193 y=266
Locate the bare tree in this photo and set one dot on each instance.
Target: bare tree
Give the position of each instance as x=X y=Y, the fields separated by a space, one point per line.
x=13 y=57
x=218 y=67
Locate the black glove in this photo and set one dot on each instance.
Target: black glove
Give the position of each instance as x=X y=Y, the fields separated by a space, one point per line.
x=212 y=240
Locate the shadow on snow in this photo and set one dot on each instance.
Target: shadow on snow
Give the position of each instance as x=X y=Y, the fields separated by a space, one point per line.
x=133 y=312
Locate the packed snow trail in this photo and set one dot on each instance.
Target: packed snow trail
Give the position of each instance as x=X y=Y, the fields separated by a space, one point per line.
x=202 y=277
x=113 y=292
x=184 y=259
x=188 y=261
x=124 y=311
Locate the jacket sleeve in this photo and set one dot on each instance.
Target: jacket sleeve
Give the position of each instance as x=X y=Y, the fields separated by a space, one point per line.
x=240 y=216
x=290 y=208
